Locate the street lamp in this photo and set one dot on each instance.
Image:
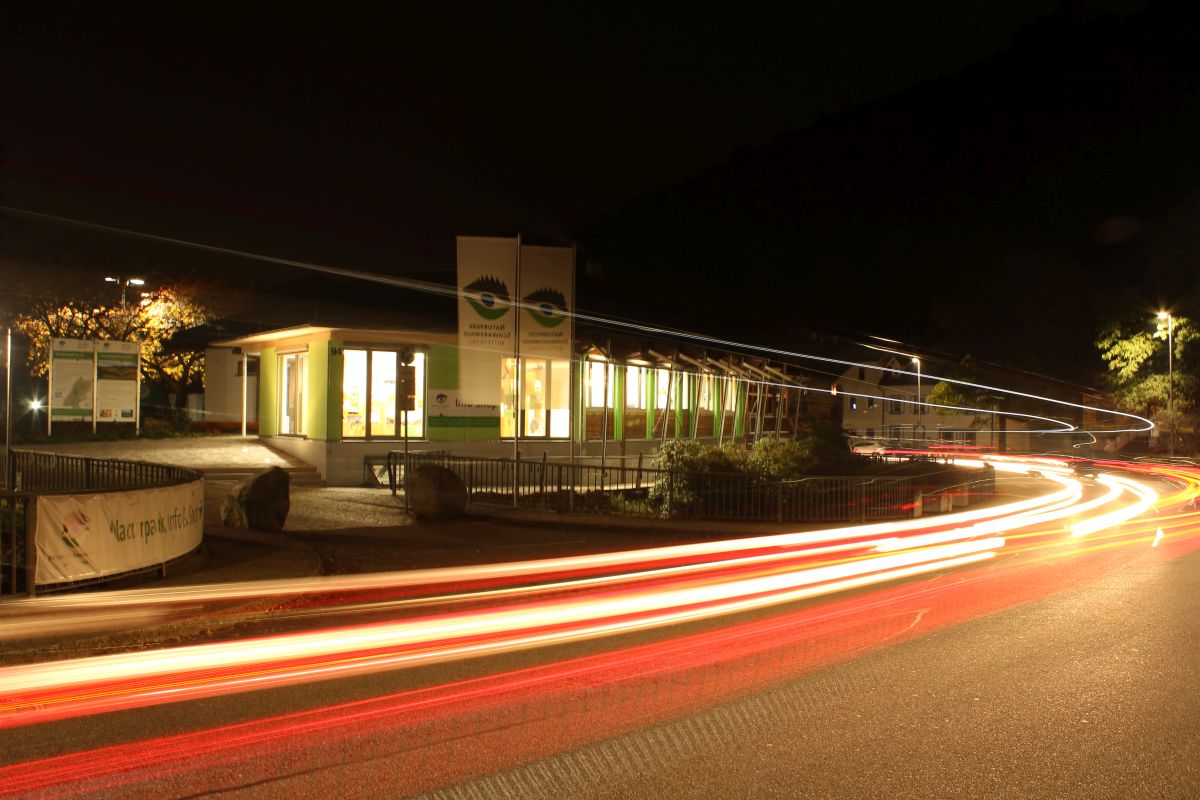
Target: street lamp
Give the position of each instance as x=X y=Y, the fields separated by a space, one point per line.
x=125 y=282
x=920 y=404
x=1170 y=377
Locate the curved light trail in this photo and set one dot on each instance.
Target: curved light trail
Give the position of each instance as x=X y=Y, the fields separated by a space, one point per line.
x=558 y=600
x=973 y=563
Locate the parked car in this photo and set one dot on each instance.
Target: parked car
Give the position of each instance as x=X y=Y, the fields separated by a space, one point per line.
x=867 y=448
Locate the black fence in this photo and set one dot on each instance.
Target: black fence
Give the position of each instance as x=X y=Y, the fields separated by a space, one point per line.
x=15 y=526
x=641 y=491
x=35 y=473
x=44 y=473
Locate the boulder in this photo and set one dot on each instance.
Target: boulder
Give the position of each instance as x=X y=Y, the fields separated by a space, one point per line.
x=259 y=502
x=436 y=493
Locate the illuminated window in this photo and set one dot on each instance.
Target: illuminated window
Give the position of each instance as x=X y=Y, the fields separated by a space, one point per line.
x=854 y=404
x=635 y=386
x=354 y=394
x=560 y=399
x=683 y=390
x=291 y=386
x=707 y=396
x=383 y=393
x=545 y=398
x=730 y=394
x=372 y=383
x=663 y=385
x=595 y=390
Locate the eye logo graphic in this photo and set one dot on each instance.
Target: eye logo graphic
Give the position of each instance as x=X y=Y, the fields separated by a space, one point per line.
x=547 y=306
x=488 y=296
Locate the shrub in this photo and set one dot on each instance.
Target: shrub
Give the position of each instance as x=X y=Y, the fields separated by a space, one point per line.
x=686 y=464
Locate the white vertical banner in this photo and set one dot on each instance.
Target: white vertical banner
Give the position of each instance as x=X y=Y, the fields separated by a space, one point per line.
x=116 y=381
x=548 y=300
x=72 y=379
x=487 y=274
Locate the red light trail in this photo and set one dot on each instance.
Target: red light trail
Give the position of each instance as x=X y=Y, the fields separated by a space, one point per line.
x=976 y=562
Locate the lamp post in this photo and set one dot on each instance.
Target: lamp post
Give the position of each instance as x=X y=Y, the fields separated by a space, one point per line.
x=920 y=429
x=1170 y=377
x=125 y=282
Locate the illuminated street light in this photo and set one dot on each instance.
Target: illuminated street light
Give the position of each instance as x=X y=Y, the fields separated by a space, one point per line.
x=1170 y=377
x=125 y=282
x=35 y=405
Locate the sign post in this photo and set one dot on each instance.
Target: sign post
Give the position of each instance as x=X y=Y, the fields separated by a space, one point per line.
x=406 y=384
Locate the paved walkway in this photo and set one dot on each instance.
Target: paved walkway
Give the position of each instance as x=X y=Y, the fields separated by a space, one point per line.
x=198 y=452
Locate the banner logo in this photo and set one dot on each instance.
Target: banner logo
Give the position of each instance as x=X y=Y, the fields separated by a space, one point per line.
x=547 y=306
x=488 y=296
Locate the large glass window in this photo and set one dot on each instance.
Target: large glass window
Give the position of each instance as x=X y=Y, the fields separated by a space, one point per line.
x=560 y=399
x=291 y=400
x=354 y=394
x=371 y=388
x=663 y=386
x=635 y=386
x=730 y=403
x=597 y=385
x=533 y=398
x=383 y=393
x=707 y=395
x=545 y=397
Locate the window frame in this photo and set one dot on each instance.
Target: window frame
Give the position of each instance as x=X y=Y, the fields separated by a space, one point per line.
x=423 y=393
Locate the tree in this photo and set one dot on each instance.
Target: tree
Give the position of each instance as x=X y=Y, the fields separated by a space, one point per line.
x=152 y=321
x=1138 y=378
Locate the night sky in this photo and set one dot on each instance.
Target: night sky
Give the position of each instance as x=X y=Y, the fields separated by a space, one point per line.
x=372 y=141
x=392 y=127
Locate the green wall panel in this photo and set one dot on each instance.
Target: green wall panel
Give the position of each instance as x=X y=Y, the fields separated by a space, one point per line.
x=268 y=393
x=333 y=415
x=317 y=392
x=442 y=367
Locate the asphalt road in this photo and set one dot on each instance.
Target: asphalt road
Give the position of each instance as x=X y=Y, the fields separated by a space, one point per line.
x=1091 y=693
x=1088 y=692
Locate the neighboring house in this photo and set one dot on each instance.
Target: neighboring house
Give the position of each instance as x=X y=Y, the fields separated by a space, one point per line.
x=226 y=396
x=880 y=402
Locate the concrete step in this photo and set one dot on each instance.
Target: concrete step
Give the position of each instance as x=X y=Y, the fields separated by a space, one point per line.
x=297 y=476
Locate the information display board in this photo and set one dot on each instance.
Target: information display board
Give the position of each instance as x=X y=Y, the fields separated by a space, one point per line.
x=94 y=381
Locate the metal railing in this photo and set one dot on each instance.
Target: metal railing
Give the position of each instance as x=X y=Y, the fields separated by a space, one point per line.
x=45 y=473
x=642 y=491
x=15 y=531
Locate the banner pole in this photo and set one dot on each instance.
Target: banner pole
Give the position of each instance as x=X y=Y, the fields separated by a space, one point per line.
x=8 y=410
x=245 y=389
x=49 y=394
x=95 y=378
x=573 y=389
x=517 y=375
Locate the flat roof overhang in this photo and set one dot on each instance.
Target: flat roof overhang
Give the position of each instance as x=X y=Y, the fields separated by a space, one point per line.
x=255 y=342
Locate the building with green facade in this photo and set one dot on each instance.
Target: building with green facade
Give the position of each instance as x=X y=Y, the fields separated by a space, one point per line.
x=336 y=397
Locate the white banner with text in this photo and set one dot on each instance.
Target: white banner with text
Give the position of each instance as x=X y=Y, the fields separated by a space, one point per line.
x=92 y=535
